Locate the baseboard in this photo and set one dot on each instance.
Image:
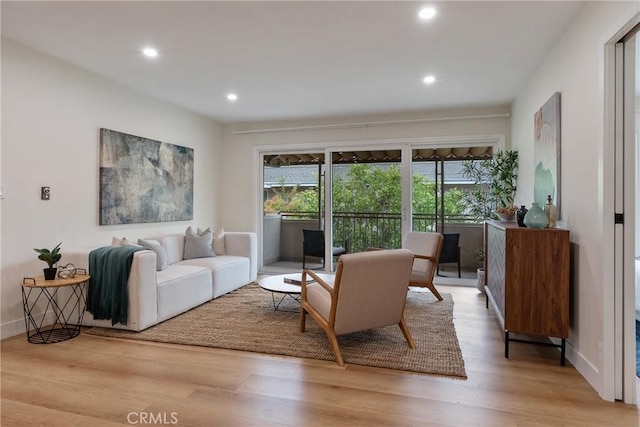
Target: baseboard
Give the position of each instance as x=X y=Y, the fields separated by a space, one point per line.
x=17 y=327
x=454 y=281
x=586 y=369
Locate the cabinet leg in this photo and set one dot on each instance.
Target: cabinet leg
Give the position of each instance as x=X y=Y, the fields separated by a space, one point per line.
x=506 y=344
x=562 y=352
x=486 y=300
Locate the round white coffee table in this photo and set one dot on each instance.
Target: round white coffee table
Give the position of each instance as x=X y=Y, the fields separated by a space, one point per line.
x=277 y=285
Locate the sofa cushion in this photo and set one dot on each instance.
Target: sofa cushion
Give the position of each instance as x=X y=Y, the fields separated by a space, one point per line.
x=161 y=253
x=198 y=246
x=228 y=272
x=182 y=287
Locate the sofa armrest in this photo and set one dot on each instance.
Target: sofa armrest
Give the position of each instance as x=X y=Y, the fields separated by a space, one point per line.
x=142 y=288
x=244 y=244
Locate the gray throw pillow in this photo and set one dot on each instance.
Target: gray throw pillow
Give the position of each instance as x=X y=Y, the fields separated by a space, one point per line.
x=198 y=246
x=162 y=258
x=200 y=232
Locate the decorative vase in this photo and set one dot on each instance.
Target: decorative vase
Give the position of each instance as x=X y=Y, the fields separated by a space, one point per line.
x=520 y=215
x=551 y=211
x=536 y=217
x=50 y=273
x=480 y=280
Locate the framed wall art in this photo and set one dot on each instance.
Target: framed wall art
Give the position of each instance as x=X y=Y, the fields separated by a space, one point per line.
x=143 y=180
x=546 y=153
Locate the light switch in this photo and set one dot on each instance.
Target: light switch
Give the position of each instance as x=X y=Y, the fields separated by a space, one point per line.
x=45 y=193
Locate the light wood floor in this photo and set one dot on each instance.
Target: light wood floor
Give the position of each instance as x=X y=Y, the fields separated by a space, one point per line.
x=92 y=381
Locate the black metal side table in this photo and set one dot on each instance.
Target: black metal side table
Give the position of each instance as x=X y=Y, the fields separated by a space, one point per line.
x=69 y=311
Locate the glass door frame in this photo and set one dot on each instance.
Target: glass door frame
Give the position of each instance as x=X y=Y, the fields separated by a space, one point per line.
x=405 y=145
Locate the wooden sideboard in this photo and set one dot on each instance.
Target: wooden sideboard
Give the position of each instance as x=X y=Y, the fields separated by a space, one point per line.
x=527 y=280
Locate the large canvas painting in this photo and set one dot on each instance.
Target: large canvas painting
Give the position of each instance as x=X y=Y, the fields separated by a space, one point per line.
x=546 y=152
x=142 y=180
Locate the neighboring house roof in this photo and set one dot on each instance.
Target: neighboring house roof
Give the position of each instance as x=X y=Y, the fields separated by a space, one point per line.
x=307 y=175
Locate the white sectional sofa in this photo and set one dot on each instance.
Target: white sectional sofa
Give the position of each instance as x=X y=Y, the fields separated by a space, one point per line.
x=155 y=296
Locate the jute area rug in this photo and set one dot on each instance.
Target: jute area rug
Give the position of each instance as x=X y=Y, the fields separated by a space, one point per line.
x=245 y=320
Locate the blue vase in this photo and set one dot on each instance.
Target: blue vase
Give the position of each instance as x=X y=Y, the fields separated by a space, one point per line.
x=536 y=217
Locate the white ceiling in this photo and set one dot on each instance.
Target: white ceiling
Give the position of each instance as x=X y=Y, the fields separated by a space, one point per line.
x=289 y=60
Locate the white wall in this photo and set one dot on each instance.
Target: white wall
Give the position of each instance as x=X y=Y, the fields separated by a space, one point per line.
x=575 y=68
x=51 y=116
x=240 y=146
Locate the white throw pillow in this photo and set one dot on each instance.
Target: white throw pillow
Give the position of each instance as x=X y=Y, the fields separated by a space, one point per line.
x=198 y=245
x=218 y=242
x=161 y=254
x=115 y=241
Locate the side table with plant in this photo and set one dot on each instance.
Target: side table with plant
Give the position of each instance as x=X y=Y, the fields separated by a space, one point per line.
x=51 y=257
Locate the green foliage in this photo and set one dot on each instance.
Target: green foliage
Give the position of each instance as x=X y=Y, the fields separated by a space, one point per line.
x=478 y=254
x=51 y=257
x=370 y=189
x=496 y=183
x=305 y=201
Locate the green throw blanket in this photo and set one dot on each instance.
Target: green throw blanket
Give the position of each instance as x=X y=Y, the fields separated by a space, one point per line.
x=107 y=296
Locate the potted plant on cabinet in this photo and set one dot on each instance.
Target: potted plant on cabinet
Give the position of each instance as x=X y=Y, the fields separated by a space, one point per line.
x=51 y=257
x=494 y=194
x=496 y=183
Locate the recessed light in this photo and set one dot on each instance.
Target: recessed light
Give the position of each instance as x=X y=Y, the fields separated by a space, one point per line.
x=232 y=97
x=429 y=79
x=149 y=52
x=427 y=13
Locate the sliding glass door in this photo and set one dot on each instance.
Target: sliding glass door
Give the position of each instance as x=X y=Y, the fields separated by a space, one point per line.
x=374 y=195
x=292 y=201
x=367 y=199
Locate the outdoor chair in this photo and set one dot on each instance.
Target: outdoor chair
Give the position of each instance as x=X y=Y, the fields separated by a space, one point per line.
x=426 y=249
x=450 y=251
x=369 y=291
x=313 y=246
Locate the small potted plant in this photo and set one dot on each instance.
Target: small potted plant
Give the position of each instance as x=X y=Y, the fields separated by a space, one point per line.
x=51 y=257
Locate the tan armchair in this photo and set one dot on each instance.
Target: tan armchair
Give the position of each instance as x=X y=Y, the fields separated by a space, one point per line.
x=369 y=291
x=426 y=248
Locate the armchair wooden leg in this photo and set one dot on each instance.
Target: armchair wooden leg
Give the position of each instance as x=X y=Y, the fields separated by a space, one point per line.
x=302 y=319
x=334 y=346
x=407 y=334
x=435 y=292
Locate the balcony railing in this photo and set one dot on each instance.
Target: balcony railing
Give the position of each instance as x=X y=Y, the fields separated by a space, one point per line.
x=360 y=230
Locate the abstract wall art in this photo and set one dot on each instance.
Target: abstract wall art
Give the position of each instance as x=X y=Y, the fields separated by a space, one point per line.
x=143 y=181
x=546 y=153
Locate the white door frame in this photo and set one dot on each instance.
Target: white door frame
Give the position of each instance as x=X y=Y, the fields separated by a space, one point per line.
x=629 y=204
x=618 y=350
